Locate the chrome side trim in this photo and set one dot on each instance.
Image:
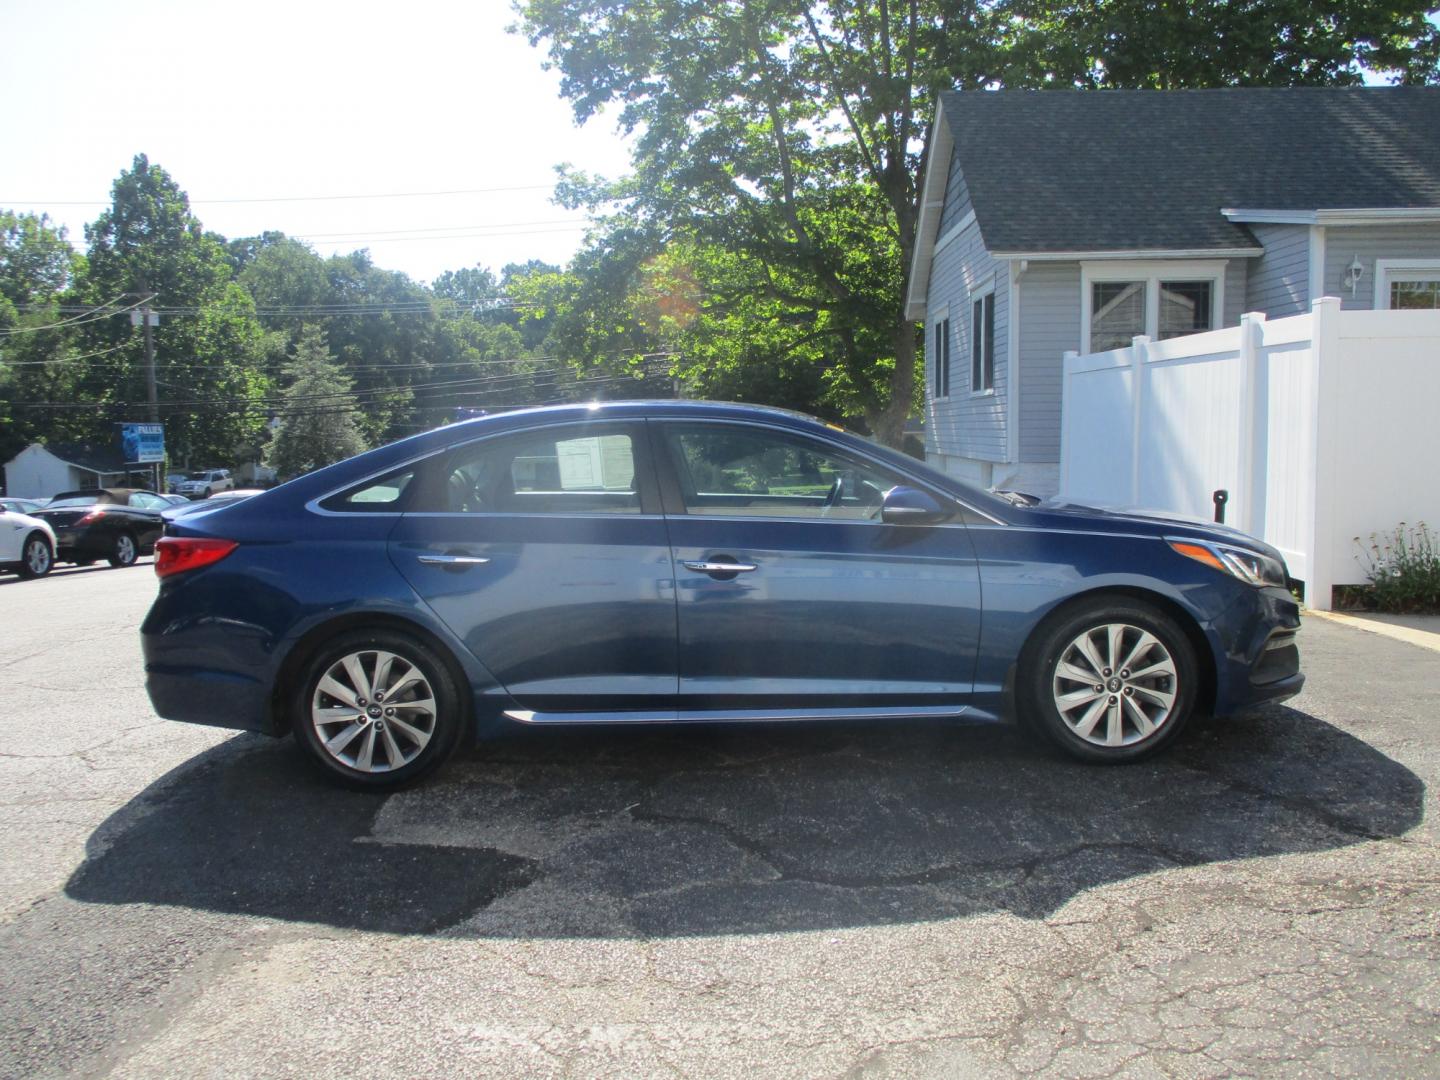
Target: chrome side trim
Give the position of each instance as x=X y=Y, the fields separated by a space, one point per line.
x=453 y=560
x=716 y=716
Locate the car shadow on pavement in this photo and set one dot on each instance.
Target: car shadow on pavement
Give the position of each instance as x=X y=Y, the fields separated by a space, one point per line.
x=627 y=833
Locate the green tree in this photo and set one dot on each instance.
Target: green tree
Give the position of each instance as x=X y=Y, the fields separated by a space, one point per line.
x=208 y=346
x=778 y=145
x=319 y=420
x=37 y=338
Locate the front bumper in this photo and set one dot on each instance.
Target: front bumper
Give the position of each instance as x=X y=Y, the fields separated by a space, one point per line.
x=1263 y=661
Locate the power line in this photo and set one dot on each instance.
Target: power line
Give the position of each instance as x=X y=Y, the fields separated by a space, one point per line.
x=365 y=396
x=439 y=228
x=295 y=198
x=64 y=359
x=79 y=320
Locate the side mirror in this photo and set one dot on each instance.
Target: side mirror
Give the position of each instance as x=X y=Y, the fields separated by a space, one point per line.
x=908 y=506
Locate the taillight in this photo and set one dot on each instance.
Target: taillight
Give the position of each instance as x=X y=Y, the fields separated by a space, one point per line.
x=177 y=554
x=92 y=516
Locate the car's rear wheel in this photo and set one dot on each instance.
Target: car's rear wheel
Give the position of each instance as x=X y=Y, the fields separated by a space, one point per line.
x=1113 y=681
x=36 y=559
x=377 y=709
x=125 y=550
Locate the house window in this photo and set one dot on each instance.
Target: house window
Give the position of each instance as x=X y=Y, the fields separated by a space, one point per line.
x=1185 y=308
x=982 y=344
x=1160 y=300
x=942 y=358
x=1407 y=284
x=1117 y=314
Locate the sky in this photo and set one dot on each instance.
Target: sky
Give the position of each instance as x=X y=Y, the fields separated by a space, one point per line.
x=273 y=101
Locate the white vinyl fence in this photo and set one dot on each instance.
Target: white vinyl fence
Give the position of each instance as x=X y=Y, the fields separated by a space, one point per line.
x=1322 y=427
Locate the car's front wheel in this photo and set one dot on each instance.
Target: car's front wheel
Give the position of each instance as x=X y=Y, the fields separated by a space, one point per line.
x=1112 y=681
x=36 y=559
x=377 y=710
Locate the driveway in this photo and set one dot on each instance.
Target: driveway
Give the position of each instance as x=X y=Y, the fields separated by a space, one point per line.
x=902 y=900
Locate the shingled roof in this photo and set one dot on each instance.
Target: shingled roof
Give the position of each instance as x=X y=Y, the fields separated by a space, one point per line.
x=102 y=458
x=1075 y=171
x=1138 y=169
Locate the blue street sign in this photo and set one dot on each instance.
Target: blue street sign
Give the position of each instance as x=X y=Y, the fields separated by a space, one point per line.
x=142 y=444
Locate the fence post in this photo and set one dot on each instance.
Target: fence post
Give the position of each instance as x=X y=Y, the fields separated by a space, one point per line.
x=1067 y=361
x=1139 y=354
x=1325 y=426
x=1250 y=461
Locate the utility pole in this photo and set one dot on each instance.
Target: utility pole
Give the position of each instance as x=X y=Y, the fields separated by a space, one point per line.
x=147 y=320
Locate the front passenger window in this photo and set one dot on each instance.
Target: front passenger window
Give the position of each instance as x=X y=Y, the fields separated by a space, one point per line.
x=730 y=470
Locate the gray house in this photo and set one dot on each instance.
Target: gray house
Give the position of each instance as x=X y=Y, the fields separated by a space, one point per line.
x=1057 y=220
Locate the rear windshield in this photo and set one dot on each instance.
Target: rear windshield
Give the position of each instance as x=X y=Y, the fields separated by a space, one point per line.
x=82 y=499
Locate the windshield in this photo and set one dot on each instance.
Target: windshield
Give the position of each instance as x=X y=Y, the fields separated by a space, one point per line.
x=199 y=476
x=80 y=500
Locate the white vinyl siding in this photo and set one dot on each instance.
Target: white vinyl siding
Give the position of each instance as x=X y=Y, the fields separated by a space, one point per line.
x=957 y=199
x=1237 y=280
x=1369 y=242
x=964 y=425
x=1050 y=325
x=1280 y=279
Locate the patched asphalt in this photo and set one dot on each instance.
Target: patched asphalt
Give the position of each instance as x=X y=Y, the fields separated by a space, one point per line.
x=874 y=900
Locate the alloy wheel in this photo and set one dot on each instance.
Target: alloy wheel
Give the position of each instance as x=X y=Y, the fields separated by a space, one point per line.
x=373 y=711
x=1115 y=685
x=37 y=557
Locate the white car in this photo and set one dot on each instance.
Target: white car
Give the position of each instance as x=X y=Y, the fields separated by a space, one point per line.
x=204 y=483
x=27 y=544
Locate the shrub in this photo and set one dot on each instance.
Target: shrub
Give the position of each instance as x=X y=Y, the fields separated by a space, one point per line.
x=1403 y=568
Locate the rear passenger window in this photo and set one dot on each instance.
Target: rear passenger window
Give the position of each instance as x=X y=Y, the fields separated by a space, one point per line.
x=374 y=496
x=578 y=470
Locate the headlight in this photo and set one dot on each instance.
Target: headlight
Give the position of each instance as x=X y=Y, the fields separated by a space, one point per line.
x=1249 y=566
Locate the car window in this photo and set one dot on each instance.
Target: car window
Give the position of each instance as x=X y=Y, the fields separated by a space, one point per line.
x=373 y=496
x=582 y=469
x=145 y=501
x=733 y=470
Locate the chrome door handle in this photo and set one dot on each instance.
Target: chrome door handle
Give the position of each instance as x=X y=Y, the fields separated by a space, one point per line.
x=453 y=560
x=702 y=567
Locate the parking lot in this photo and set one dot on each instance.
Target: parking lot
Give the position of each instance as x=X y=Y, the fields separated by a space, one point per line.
x=869 y=901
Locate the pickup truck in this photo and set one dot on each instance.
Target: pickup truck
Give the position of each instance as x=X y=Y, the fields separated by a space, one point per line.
x=203 y=483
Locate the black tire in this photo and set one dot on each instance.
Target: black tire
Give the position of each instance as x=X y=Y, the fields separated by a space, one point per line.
x=1039 y=692
x=208 y=493
x=447 y=722
x=37 y=557
x=124 y=551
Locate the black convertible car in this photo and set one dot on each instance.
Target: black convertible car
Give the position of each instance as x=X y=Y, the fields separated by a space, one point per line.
x=118 y=524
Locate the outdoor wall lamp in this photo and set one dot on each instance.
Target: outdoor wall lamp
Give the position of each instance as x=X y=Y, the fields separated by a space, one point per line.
x=1353 y=273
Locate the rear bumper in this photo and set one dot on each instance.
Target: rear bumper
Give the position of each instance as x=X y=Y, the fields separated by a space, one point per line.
x=214 y=698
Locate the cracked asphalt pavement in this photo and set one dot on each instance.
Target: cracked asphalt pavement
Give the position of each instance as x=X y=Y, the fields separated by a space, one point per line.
x=902 y=900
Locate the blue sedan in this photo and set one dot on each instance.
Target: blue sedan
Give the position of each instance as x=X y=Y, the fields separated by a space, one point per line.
x=679 y=562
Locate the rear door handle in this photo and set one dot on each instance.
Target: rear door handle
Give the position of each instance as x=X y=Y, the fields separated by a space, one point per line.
x=453 y=560
x=702 y=567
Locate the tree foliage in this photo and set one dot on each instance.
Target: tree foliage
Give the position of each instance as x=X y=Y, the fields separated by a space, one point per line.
x=779 y=145
x=37 y=271
x=320 y=419
x=208 y=345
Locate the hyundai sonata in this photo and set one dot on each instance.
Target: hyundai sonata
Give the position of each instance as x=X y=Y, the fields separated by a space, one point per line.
x=680 y=562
